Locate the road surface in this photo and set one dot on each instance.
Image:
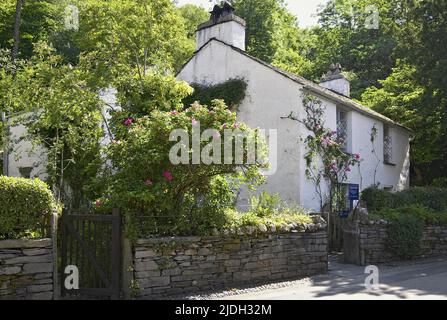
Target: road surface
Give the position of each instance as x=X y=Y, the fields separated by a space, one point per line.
x=424 y=279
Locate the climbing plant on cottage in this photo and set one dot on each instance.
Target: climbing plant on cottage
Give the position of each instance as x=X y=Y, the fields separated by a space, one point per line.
x=326 y=162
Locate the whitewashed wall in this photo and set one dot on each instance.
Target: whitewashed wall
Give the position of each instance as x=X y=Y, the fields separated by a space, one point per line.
x=24 y=154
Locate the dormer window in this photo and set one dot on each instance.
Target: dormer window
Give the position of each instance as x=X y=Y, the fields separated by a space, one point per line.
x=387 y=145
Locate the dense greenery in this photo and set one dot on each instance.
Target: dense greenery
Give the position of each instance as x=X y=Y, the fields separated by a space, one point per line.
x=27 y=207
x=430 y=197
x=231 y=91
x=407 y=212
x=404 y=236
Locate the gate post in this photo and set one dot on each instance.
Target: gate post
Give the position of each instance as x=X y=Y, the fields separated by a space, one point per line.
x=54 y=230
x=116 y=250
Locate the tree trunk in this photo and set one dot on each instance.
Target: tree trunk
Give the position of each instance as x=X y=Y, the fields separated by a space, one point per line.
x=17 y=22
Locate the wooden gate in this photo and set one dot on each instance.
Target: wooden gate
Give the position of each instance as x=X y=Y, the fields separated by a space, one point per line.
x=92 y=243
x=335 y=232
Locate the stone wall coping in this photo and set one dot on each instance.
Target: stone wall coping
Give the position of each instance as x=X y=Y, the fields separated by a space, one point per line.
x=184 y=239
x=366 y=222
x=25 y=243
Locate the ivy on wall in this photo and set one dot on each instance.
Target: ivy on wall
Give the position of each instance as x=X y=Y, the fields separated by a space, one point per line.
x=231 y=91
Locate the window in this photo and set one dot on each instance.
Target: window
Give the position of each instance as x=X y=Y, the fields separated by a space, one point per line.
x=387 y=146
x=342 y=129
x=25 y=172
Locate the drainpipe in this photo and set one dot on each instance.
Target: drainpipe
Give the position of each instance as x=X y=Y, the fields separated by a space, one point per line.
x=5 y=147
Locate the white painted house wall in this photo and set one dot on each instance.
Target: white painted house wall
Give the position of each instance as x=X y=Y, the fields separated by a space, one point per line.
x=270 y=96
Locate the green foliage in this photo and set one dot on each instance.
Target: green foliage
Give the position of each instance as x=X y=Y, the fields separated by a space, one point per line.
x=265 y=204
x=39 y=20
x=440 y=182
x=131 y=34
x=231 y=91
x=62 y=115
x=27 y=207
x=272 y=34
x=141 y=179
x=269 y=211
x=377 y=199
x=433 y=198
x=153 y=91
x=193 y=16
x=404 y=236
x=427 y=215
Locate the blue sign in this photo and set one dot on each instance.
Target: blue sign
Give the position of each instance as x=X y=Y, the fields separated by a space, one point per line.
x=353 y=192
x=344 y=214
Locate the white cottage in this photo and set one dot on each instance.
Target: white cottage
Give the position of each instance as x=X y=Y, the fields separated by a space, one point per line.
x=273 y=93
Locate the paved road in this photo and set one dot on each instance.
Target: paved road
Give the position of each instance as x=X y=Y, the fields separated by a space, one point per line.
x=426 y=279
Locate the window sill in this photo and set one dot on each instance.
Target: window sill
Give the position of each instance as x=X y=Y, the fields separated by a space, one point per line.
x=389 y=163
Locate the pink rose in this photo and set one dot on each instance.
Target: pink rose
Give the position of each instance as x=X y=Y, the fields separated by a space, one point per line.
x=168 y=176
x=194 y=121
x=235 y=125
x=357 y=156
x=148 y=182
x=174 y=113
x=128 y=121
x=216 y=135
x=224 y=126
x=98 y=203
x=347 y=169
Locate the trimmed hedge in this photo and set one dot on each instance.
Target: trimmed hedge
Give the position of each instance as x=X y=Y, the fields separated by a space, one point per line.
x=26 y=206
x=430 y=197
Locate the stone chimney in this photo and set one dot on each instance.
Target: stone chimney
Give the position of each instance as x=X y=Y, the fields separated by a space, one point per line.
x=336 y=81
x=223 y=25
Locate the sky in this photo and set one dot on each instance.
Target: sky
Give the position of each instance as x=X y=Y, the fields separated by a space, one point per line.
x=305 y=10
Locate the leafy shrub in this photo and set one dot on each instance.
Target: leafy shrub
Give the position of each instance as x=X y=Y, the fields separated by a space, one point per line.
x=404 y=236
x=429 y=197
x=26 y=206
x=426 y=215
x=377 y=199
x=265 y=205
x=439 y=182
x=268 y=210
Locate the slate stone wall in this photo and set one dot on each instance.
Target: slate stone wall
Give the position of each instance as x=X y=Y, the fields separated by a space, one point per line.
x=26 y=269
x=366 y=242
x=179 y=265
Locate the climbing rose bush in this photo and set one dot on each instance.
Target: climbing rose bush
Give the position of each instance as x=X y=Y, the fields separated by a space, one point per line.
x=326 y=161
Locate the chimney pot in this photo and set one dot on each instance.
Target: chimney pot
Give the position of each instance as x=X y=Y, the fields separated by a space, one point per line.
x=223 y=25
x=335 y=80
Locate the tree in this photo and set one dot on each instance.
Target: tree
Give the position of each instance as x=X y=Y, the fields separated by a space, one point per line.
x=193 y=16
x=62 y=114
x=17 y=22
x=272 y=33
x=121 y=36
x=347 y=35
x=25 y=22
